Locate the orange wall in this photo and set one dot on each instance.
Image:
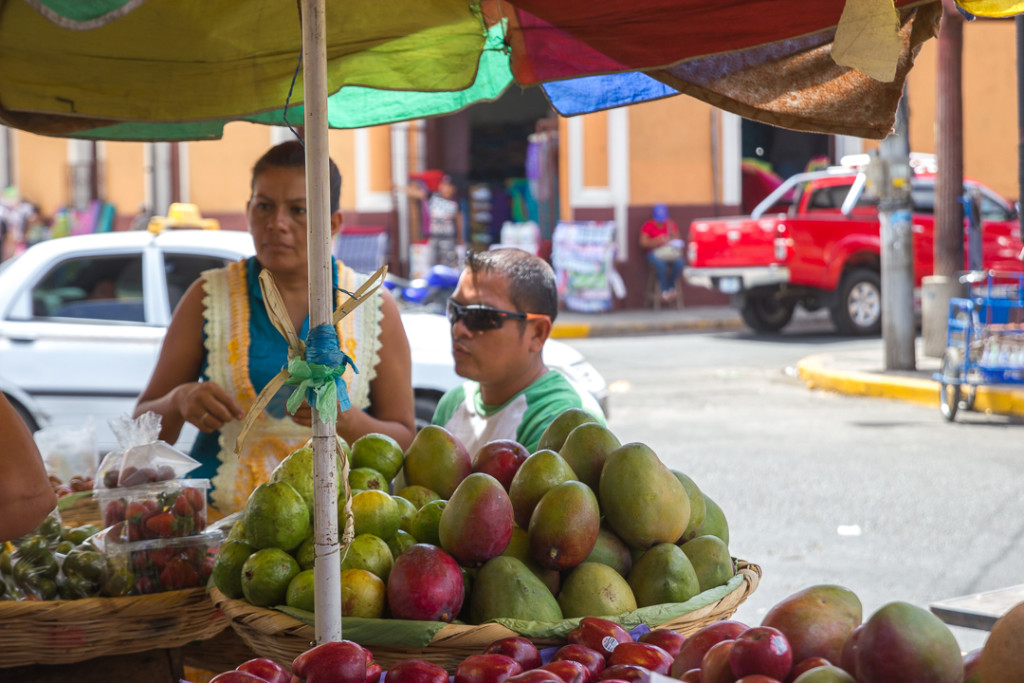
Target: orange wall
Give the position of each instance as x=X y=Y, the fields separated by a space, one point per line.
x=670 y=152
x=123 y=175
x=595 y=142
x=219 y=170
x=41 y=170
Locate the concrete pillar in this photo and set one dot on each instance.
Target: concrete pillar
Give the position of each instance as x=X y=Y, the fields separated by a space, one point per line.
x=936 y=291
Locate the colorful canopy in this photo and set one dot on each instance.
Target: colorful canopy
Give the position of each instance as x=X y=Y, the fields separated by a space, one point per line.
x=181 y=69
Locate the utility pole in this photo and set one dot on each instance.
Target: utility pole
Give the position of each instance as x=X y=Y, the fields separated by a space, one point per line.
x=938 y=289
x=889 y=175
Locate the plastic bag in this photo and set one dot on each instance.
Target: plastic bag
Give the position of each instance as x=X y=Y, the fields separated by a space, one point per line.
x=69 y=451
x=143 y=458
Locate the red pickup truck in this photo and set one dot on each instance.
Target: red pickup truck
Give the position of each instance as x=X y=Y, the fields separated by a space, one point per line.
x=823 y=250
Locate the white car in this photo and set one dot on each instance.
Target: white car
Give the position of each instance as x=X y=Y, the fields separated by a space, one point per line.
x=82 y=319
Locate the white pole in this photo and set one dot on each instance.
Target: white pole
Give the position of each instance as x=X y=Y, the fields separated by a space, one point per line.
x=327 y=568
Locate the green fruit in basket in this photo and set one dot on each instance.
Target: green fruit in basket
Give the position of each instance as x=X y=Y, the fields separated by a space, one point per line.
x=711 y=561
x=425 y=524
x=301 y=591
x=642 y=500
x=595 y=590
x=367 y=479
x=89 y=564
x=379 y=452
x=610 y=550
x=585 y=450
x=371 y=553
x=64 y=547
x=119 y=583
x=406 y=510
x=663 y=574
x=519 y=548
x=46 y=589
x=275 y=516
x=363 y=594
x=538 y=474
x=80 y=533
x=266 y=575
x=557 y=432
x=50 y=529
x=305 y=554
x=237 y=532
x=32 y=548
x=399 y=542
x=297 y=471
x=505 y=588
x=418 y=495
x=375 y=512
x=5 y=561
x=715 y=523
x=698 y=506
x=437 y=460
x=227 y=567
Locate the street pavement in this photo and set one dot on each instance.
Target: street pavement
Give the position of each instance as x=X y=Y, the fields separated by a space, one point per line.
x=859 y=373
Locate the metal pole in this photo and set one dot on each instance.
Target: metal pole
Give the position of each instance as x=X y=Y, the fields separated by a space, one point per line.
x=327 y=567
x=898 y=324
x=949 y=184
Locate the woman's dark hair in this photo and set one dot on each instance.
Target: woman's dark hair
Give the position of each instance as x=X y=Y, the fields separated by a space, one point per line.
x=531 y=281
x=292 y=154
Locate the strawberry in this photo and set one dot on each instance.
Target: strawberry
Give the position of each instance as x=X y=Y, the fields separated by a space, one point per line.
x=181 y=507
x=179 y=574
x=196 y=498
x=140 y=559
x=135 y=511
x=159 y=557
x=160 y=525
x=143 y=585
x=113 y=512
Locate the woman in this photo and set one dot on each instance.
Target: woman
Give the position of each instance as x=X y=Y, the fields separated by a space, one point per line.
x=444 y=220
x=221 y=348
x=660 y=237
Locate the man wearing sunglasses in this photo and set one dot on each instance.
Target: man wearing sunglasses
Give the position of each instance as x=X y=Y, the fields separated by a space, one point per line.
x=501 y=315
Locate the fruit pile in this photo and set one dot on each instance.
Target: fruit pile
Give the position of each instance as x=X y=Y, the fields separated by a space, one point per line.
x=585 y=526
x=75 y=484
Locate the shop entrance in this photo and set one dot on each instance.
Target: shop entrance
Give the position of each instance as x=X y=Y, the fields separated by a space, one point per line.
x=772 y=154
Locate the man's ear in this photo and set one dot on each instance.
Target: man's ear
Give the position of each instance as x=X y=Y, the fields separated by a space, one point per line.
x=539 y=332
x=337 y=220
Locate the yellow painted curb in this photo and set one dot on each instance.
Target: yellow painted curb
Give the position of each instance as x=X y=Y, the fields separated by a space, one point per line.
x=570 y=330
x=815 y=373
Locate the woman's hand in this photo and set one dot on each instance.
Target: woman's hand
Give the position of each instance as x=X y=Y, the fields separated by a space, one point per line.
x=206 y=405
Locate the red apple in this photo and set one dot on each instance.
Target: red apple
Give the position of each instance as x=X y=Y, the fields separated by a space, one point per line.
x=519 y=649
x=692 y=652
x=235 y=676
x=535 y=676
x=587 y=656
x=491 y=668
x=647 y=655
x=806 y=665
x=569 y=671
x=626 y=672
x=971 y=664
x=416 y=671
x=691 y=676
x=758 y=678
x=501 y=459
x=668 y=640
x=373 y=672
x=267 y=669
x=341 y=661
x=761 y=650
x=714 y=668
x=600 y=634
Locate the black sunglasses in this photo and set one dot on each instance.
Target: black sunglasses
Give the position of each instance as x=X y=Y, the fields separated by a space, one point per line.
x=480 y=318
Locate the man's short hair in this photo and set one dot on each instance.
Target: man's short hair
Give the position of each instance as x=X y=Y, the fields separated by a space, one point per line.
x=531 y=281
x=292 y=154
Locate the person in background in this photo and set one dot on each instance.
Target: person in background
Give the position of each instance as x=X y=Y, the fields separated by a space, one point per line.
x=221 y=348
x=501 y=315
x=445 y=220
x=26 y=496
x=660 y=237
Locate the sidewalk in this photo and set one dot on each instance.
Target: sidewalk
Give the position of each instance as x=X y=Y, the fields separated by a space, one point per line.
x=859 y=373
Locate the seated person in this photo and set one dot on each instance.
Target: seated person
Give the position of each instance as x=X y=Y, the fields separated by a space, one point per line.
x=501 y=315
x=660 y=237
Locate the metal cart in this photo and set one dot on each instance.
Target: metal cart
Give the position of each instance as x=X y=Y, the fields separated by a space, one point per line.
x=984 y=339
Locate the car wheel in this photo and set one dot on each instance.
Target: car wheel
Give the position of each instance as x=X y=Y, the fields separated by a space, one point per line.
x=859 y=310
x=425 y=407
x=767 y=313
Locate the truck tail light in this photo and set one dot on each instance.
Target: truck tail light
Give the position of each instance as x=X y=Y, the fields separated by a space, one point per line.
x=781 y=243
x=691 y=252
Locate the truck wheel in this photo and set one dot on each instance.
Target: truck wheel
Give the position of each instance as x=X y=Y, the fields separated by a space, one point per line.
x=767 y=313
x=859 y=310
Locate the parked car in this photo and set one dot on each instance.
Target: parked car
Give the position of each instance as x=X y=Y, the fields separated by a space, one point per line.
x=822 y=248
x=82 y=319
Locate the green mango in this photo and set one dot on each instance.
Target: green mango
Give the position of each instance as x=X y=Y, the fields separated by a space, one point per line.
x=555 y=434
x=585 y=450
x=540 y=472
x=643 y=502
x=505 y=588
x=711 y=560
x=595 y=590
x=663 y=574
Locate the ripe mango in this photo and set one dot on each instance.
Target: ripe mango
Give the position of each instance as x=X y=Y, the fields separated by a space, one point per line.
x=505 y=588
x=698 y=507
x=711 y=561
x=595 y=590
x=519 y=548
x=556 y=433
x=437 y=460
x=585 y=450
x=643 y=502
x=542 y=471
x=275 y=516
x=610 y=550
x=663 y=574
x=715 y=523
x=907 y=643
x=817 y=620
x=1000 y=659
x=564 y=526
x=477 y=522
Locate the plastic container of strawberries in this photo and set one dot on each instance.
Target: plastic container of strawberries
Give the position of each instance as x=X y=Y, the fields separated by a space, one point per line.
x=164 y=509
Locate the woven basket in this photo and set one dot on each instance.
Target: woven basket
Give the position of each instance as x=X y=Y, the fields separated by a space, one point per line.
x=84 y=510
x=282 y=638
x=223 y=652
x=67 y=631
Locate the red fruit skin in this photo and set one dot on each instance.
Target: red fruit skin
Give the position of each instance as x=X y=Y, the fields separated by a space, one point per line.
x=715 y=667
x=650 y=657
x=569 y=671
x=691 y=676
x=599 y=634
x=535 y=676
x=341 y=661
x=519 y=649
x=806 y=665
x=485 y=668
x=757 y=678
x=668 y=640
x=501 y=459
x=236 y=676
x=593 y=660
x=416 y=671
x=425 y=584
x=816 y=620
x=373 y=672
x=972 y=661
x=848 y=659
x=693 y=650
x=626 y=672
x=265 y=668
x=761 y=650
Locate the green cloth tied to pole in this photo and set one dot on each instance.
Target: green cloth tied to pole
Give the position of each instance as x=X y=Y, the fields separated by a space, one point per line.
x=318 y=379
